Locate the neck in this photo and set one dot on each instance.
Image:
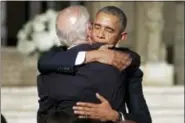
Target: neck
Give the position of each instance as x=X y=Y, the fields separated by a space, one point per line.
x=78 y=42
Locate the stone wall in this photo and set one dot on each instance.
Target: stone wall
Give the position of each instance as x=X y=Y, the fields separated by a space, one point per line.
x=17 y=69
x=151 y=45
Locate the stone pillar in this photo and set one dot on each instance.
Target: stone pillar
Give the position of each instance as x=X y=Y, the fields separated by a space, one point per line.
x=34 y=8
x=154 y=25
x=74 y=3
x=156 y=70
x=141 y=41
x=3 y=23
x=51 y=4
x=179 y=44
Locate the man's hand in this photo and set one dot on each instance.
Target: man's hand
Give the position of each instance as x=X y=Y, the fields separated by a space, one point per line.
x=104 y=55
x=102 y=111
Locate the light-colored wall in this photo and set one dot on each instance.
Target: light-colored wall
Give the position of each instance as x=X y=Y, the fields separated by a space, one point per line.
x=20 y=70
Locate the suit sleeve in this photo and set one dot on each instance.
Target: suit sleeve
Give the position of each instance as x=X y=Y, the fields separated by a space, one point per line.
x=42 y=94
x=135 y=100
x=46 y=103
x=58 y=60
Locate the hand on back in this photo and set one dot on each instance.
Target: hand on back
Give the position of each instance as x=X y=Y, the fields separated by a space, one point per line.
x=117 y=59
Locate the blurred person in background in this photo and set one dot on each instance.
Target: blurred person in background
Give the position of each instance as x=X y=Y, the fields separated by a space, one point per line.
x=3 y=120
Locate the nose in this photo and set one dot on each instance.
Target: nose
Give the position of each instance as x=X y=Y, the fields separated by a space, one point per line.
x=101 y=34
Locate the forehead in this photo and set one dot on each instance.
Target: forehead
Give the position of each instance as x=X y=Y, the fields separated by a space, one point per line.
x=105 y=19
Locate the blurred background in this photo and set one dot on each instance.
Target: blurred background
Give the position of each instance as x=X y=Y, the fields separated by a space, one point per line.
x=155 y=31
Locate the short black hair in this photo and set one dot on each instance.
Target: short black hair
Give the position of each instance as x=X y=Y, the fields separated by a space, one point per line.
x=116 y=12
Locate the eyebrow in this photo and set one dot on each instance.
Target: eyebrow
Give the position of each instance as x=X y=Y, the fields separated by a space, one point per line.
x=108 y=27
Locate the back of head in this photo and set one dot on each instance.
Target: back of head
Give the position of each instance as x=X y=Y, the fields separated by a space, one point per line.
x=71 y=24
x=116 y=12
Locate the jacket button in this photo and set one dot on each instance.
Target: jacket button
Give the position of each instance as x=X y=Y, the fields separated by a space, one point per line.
x=66 y=68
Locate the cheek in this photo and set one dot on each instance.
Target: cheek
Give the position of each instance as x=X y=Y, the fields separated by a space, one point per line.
x=112 y=39
x=93 y=36
x=94 y=33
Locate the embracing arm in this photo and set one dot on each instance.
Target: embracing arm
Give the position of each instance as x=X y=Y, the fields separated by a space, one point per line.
x=57 y=60
x=135 y=99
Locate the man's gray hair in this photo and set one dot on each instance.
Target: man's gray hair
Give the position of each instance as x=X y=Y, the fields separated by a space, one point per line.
x=118 y=13
x=78 y=31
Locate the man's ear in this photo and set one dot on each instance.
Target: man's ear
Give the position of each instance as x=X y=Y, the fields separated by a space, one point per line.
x=123 y=36
x=89 y=32
x=88 y=29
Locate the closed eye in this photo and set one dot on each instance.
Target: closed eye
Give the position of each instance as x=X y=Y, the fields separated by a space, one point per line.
x=109 y=29
x=96 y=26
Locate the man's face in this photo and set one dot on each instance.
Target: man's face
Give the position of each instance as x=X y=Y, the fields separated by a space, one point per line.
x=106 y=29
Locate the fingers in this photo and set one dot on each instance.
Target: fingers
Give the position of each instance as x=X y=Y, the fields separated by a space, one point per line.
x=126 y=61
x=85 y=109
x=101 y=98
x=84 y=112
x=122 y=60
x=86 y=104
x=82 y=117
x=117 y=59
x=85 y=115
x=89 y=117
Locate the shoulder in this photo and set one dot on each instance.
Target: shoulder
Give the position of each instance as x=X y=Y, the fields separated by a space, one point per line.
x=134 y=72
x=124 y=49
x=58 y=48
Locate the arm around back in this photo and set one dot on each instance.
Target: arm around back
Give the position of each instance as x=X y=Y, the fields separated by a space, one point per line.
x=57 y=60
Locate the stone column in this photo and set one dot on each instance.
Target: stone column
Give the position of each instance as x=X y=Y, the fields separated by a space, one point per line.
x=156 y=70
x=179 y=44
x=51 y=4
x=34 y=8
x=141 y=41
x=154 y=25
x=74 y=3
x=3 y=23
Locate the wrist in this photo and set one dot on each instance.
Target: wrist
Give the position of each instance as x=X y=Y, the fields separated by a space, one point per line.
x=91 y=56
x=115 y=116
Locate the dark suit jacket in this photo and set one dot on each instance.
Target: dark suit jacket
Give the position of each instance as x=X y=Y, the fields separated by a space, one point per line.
x=3 y=120
x=132 y=94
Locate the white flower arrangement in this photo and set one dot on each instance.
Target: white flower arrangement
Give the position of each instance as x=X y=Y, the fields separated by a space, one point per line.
x=39 y=34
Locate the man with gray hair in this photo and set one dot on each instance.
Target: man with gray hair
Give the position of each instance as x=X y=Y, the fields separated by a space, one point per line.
x=72 y=29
